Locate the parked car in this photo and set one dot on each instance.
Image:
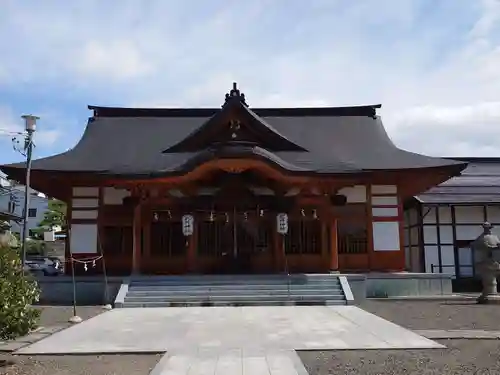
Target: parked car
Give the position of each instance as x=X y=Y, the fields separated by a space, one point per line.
x=40 y=268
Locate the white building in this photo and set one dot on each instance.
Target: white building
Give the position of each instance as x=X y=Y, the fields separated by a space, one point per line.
x=441 y=223
x=12 y=204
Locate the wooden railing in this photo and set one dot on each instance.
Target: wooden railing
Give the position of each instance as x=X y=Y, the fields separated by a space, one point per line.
x=352 y=244
x=304 y=237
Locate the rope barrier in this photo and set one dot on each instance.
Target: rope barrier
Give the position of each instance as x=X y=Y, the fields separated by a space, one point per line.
x=86 y=261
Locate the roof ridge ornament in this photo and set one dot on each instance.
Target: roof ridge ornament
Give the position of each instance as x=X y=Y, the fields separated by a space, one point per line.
x=235 y=95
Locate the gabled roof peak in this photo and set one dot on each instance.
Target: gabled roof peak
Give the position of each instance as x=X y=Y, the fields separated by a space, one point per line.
x=235 y=96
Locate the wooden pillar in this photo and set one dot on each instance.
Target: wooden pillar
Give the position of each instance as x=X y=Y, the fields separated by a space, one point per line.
x=191 y=249
x=325 y=263
x=136 y=235
x=334 y=250
x=278 y=250
x=146 y=232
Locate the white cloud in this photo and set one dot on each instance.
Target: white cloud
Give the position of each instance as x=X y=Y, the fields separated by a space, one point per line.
x=13 y=126
x=116 y=61
x=435 y=70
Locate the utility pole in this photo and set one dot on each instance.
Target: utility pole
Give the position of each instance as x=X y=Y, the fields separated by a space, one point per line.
x=30 y=127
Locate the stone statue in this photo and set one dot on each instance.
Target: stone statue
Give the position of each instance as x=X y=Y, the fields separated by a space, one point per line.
x=486 y=265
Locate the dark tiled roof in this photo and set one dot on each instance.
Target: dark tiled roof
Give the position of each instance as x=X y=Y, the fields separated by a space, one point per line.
x=338 y=140
x=279 y=141
x=9 y=215
x=479 y=183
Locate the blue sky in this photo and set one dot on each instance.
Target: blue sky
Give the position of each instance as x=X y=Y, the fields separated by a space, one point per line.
x=433 y=64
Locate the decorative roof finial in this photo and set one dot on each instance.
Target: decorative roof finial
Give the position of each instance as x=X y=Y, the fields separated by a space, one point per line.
x=235 y=95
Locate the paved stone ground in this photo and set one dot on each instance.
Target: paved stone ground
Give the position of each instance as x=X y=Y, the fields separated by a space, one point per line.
x=57 y=316
x=231 y=362
x=273 y=327
x=460 y=357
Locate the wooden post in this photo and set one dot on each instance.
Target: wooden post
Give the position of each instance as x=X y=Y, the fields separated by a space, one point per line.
x=191 y=249
x=278 y=246
x=334 y=250
x=146 y=232
x=136 y=233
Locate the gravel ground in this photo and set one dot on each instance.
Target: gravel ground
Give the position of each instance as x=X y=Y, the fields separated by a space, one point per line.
x=461 y=356
x=57 y=315
x=436 y=314
x=478 y=357
x=76 y=365
x=82 y=365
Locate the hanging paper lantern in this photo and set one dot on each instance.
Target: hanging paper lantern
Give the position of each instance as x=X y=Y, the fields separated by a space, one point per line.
x=282 y=223
x=187 y=225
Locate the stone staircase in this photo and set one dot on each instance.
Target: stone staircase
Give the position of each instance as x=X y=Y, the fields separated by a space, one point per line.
x=233 y=290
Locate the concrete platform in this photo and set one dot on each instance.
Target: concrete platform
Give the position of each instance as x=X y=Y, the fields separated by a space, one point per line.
x=223 y=328
x=231 y=362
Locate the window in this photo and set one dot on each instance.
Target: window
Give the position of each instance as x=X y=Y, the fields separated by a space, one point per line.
x=32 y=212
x=117 y=240
x=352 y=237
x=304 y=237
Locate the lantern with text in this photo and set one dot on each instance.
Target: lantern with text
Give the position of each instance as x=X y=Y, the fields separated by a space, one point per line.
x=187 y=225
x=282 y=223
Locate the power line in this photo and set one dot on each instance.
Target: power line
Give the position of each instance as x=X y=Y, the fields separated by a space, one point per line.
x=10 y=132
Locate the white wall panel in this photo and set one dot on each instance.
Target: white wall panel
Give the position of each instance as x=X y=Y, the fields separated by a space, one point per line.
x=446 y=234
x=384 y=189
x=385 y=201
x=430 y=234
x=468 y=232
x=385 y=211
x=448 y=259
x=83 y=238
x=493 y=214
x=85 y=202
x=469 y=214
x=413 y=216
x=406 y=219
x=113 y=196
x=85 y=191
x=431 y=257
x=429 y=214
x=416 y=265
x=386 y=236
x=444 y=215
x=465 y=262
x=88 y=215
x=354 y=194
x=415 y=236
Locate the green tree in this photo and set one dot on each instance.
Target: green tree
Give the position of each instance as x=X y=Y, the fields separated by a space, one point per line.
x=55 y=215
x=18 y=291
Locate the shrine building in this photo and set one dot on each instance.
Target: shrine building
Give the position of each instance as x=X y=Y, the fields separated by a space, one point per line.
x=229 y=171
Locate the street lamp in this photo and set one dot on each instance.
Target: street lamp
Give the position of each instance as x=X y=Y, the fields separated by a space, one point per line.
x=30 y=127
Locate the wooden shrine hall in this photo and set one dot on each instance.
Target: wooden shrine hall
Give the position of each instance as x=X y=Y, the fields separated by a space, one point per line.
x=199 y=190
